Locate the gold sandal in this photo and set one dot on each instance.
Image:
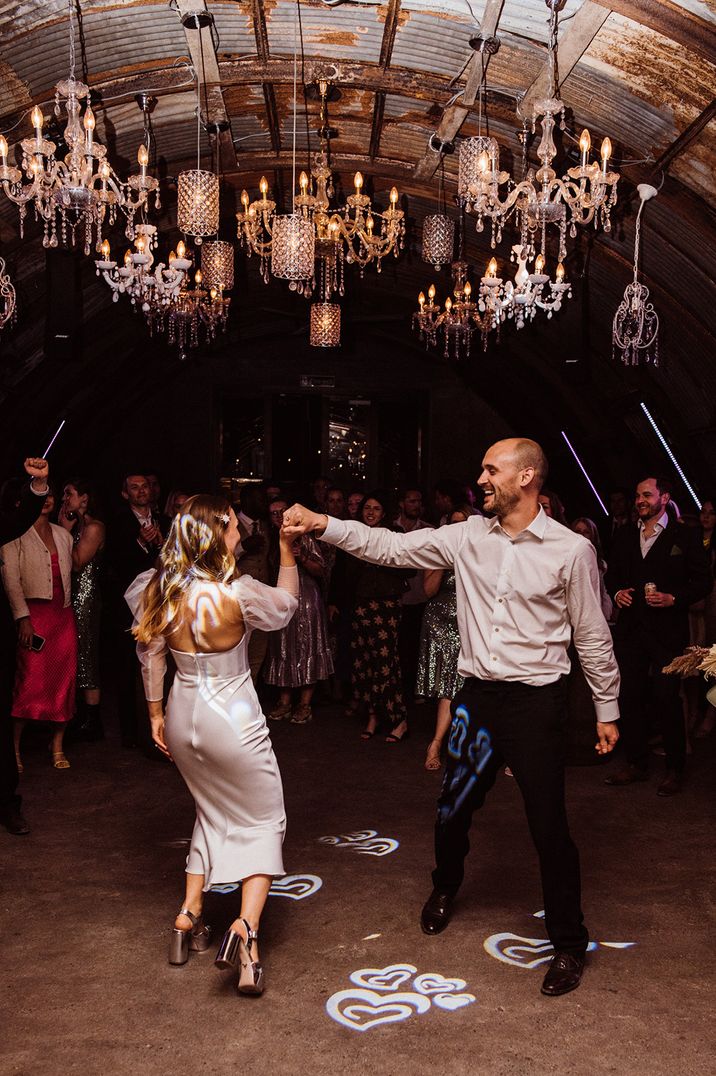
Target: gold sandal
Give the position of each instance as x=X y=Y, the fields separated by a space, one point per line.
x=59 y=761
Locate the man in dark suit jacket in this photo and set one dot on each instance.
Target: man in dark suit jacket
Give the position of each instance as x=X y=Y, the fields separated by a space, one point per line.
x=134 y=541
x=657 y=569
x=16 y=516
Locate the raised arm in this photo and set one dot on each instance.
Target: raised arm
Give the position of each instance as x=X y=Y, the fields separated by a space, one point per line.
x=418 y=549
x=270 y=608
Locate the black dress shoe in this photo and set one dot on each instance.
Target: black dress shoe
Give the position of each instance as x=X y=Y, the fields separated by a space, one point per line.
x=565 y=974
x=14 y=821
x=435 y=915
x=628 y=776
x=670 y=785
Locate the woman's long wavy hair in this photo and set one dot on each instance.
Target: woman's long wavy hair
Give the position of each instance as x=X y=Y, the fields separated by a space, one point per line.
x=194 y=549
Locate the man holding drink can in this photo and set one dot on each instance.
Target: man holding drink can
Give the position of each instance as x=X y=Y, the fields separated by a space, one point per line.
x=657 y=569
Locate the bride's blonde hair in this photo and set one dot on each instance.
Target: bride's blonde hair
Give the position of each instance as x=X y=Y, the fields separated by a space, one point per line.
x=195 y=549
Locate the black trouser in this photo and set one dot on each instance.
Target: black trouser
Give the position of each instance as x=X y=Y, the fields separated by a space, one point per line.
x=637 y=656
x=494 y=722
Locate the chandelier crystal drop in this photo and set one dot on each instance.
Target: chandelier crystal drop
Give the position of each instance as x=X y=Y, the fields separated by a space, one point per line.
x=8 y=298
x=635 y=330
x=194 y=313
x=77 y=194
x=584 y=195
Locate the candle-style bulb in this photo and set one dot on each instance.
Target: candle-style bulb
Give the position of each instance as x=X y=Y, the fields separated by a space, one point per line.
x=606 y=151
x=492 y=268
x=141 y=244
x=263 y=186
x=585 y=141
x=467 y=290
x=245 y=199
x=421 y=299
x=89 y=120
x=539 y=263
x=143 y=156
x=105 y=249
x=213 y=294
x=303 y=182
x=37 y=118
x=559 y=273
x=172 y=256
x=431 y=292
x=394 y=196
x=358 y=181
x=448 y=304
x=483 y=161
x=104 y=170
x=198 y=277
x=181 y=248
x=127 y=258
x=3 y=147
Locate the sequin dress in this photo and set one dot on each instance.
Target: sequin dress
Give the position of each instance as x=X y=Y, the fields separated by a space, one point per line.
x=300 y=653
x=87 y=604
x=438 y=677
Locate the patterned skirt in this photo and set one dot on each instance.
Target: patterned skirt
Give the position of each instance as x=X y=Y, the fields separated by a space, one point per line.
x=376 y=676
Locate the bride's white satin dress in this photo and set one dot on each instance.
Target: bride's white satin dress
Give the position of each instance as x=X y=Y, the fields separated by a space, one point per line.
x=217 y=735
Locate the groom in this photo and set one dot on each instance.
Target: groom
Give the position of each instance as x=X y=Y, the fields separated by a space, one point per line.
x=525 y=587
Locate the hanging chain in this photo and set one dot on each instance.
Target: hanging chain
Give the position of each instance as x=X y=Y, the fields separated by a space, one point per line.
x=71 y=5
x=637 y=238
x=295 y=109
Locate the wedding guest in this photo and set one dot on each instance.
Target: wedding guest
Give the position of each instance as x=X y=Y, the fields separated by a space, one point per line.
x=552 y=506
x=20 y=506
x=438 y=677
x=414 y=598
x=353 y=503
x=37 y=576
x=79 y=514
x=175 y=502
x=588 y=529
x=252 y=558
x=215 y=730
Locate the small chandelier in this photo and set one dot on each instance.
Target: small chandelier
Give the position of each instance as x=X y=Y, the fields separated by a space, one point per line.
x=145 y=283
x=81 y=189
x=354 y=232
x=456 y=322
x=217 y=265
x=529 y=294
x=584 y=195
x=635 y=331
x=189 y=314
x=325 y=325
x=7 y=297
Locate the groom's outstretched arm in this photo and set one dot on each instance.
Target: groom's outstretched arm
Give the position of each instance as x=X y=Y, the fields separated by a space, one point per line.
x=419 y=549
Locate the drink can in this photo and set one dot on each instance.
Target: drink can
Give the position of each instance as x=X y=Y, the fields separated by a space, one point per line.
x=649 y=588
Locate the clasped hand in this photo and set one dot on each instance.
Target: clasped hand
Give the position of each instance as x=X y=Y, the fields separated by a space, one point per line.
x=657 y=599
x=298 y=520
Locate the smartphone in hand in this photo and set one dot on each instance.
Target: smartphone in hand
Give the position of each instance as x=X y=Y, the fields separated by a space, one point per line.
x=37 y=643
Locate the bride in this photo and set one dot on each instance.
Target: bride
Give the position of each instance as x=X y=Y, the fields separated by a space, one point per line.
x=214 y=729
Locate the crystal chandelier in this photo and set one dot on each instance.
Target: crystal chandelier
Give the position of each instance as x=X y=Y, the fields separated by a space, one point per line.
x=191 y=313
x=353 y=232
x=325 y=325
x=7 y=297
x=81 y=189
x=531 y=292
x=145 y=283
x=584 y=195
x=439 y=231
x=217 y=265
x=635 y=331
x=456 y=322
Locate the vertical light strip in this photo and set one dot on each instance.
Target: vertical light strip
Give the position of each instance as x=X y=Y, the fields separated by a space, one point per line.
x=670 y=454
x=582 y=469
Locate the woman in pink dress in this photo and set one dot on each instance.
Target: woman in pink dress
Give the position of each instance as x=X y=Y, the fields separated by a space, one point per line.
x=37 y=576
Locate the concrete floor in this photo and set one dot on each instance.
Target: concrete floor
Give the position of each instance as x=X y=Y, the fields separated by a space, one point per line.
x=88 y=897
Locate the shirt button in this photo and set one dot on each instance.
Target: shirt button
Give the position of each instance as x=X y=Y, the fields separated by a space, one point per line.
x=493 y=657
x=500 y=600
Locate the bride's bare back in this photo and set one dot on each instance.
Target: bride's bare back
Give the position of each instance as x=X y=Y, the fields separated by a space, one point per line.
x=209 y=620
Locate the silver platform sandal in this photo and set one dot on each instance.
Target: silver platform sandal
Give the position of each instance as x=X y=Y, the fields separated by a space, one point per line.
x=233 y=950
x=197 y=939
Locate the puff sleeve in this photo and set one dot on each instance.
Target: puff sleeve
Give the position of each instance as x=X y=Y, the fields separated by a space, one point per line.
x=264 y=607
x=153 y=655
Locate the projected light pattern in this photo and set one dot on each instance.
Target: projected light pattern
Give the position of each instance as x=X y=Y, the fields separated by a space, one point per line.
x=366 y=842
x=664 y=444
x=293 y=886
x=584 y=472
x=531 y=953
x=466 y=773
x=376 y=996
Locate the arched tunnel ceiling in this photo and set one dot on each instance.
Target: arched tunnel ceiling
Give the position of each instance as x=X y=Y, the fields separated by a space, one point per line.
x=641 y=71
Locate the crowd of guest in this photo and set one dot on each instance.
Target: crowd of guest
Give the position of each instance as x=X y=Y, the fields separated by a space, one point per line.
x=376 y=640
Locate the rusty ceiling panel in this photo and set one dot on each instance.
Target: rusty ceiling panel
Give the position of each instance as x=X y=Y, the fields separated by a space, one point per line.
x=345 y=32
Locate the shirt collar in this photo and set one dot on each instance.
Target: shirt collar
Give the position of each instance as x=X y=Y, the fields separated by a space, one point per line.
x=537 y=527
x=662 y=522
